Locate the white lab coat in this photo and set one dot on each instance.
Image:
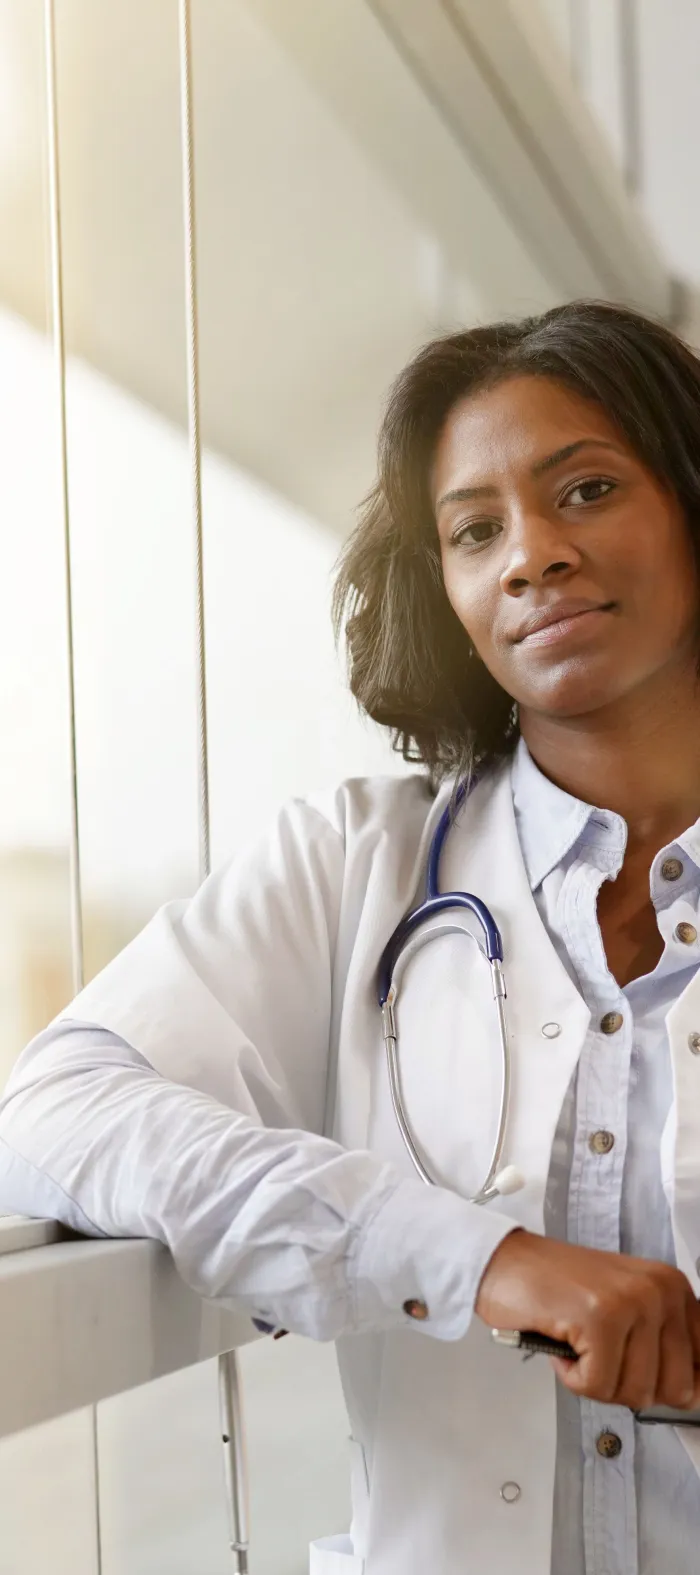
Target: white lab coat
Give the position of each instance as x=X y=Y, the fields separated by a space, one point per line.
x=440 y=1425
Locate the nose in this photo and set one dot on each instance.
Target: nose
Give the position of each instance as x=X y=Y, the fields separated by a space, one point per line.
x=540 y=550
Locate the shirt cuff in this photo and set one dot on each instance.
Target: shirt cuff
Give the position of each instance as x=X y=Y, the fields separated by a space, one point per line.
x=427 y=1246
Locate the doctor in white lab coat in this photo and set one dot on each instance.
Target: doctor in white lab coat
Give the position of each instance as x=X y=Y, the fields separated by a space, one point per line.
x=521 y=596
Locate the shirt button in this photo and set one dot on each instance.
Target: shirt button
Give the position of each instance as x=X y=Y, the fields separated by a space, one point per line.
x=686 y=933
x=417 y=1310
x=611 y=1022
x=609 y=1445
x=672 y=869
x=601 y=1142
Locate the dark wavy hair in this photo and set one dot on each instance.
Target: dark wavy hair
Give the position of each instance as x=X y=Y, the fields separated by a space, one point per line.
x=412 y=666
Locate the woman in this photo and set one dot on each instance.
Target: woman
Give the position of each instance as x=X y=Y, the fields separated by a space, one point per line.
x=522 y=606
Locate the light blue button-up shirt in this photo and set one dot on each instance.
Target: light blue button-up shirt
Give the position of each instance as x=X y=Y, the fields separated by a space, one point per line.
x=638 y=1513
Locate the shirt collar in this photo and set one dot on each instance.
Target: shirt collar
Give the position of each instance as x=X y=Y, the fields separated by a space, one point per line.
x=550 y=821
x=689 y=842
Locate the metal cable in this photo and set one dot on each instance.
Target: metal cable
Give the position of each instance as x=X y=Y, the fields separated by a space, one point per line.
x=58 y=333
x=76 y=907
x=230 y=1389
x=192 y=330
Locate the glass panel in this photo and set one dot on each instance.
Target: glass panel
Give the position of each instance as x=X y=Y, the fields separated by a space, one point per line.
x=35 y=948
x=130 y=519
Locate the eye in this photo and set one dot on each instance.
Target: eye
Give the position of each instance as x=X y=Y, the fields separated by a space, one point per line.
x=478 y=533
x=591 y=490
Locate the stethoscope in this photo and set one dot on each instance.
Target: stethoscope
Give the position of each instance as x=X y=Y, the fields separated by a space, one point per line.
x=409 y=936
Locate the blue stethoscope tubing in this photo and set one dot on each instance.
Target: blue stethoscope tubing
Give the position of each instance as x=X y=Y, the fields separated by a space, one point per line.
x=408 y=937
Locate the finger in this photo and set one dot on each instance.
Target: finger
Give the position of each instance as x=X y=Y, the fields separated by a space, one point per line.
x=639 y=1377
x=562 y=1369
x=601 y=1355
x=676 y=1377
x=693 y=1321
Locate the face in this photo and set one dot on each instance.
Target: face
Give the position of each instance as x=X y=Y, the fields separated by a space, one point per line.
x=566 y=561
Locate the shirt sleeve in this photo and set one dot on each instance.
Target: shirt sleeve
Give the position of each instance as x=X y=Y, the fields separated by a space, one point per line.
x=166 y=1104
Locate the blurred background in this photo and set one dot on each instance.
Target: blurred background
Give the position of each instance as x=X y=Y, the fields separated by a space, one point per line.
x=369 y=173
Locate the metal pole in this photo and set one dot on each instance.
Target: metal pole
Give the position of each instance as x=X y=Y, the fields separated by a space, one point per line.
x=235 y=1462
x=58 y=334
x=230 y=1403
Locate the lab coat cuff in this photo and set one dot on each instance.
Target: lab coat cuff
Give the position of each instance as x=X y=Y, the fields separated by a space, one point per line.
x=424 y=1246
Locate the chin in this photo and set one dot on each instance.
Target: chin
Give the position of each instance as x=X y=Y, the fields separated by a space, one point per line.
x=573 y=695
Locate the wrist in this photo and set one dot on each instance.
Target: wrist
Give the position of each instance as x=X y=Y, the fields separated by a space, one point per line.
x=509 y=1255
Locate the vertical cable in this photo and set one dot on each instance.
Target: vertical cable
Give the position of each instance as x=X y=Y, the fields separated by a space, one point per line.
x=76 y=908
x=192 y=328
x=58 y=333
x=230 y=1401
x=630 y=95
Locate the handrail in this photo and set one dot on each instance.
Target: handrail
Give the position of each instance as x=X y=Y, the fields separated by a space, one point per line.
x=81 y=1320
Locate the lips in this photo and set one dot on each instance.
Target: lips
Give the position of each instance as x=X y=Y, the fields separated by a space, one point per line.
x=562 y=612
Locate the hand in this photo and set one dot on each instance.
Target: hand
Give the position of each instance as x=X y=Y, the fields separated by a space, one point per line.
x=634 y=1323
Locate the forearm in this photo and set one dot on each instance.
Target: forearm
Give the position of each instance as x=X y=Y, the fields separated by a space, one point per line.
x=284 y=1223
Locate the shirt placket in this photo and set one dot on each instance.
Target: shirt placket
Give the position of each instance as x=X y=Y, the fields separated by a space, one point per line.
x=595 y=1195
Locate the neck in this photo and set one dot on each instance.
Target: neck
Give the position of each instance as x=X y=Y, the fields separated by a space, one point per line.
x=639 y=758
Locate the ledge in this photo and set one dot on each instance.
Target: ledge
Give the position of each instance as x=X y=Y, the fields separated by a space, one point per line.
x=81 y=1320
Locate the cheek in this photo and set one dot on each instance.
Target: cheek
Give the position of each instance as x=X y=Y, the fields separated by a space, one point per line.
x=474 y=598
x=467 y=593
x=659 y=574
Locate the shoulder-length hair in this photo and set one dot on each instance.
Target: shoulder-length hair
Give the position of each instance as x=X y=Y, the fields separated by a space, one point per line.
x=412 y=666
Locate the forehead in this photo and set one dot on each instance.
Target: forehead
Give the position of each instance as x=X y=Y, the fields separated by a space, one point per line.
x=509 y=427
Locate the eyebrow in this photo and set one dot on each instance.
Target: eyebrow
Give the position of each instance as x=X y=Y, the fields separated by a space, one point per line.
x=464 y=494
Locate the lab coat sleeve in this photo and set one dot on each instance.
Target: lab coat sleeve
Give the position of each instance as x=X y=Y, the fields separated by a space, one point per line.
x=181 y=1098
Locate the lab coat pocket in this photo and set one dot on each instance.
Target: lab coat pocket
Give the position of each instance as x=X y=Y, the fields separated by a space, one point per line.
x=334 y=1556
